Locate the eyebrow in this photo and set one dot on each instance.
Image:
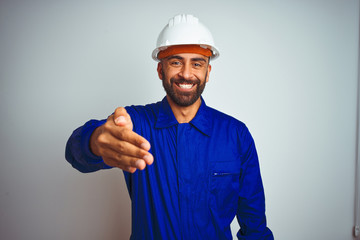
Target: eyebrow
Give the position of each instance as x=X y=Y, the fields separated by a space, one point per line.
x=199 y=59
x=192 y=59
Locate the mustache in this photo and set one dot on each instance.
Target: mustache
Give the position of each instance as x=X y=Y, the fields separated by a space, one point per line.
x=184 y=81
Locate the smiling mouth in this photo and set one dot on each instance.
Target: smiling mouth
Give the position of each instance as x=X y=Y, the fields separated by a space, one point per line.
x=185 y=85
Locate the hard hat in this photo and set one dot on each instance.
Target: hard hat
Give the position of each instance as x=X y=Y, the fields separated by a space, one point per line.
x=185 y=29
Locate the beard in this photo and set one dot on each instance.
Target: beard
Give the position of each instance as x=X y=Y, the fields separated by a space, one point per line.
x=180 y=98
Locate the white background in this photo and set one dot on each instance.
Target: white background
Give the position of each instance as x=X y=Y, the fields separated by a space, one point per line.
x=288 y=69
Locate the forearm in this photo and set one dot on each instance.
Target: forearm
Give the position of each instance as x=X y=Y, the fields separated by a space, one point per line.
x=78 y=152
x=251 y=205
x=252 y=220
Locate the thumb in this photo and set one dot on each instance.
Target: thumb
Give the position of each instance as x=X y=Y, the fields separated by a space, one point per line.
x=122 y=118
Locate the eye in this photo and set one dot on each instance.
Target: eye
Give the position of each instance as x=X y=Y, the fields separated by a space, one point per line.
x=197 y=65
x=175 y=63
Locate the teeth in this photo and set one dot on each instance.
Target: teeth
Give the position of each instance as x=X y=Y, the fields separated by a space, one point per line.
x=186 y=86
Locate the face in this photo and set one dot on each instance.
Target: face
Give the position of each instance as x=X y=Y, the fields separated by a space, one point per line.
x=184 y=77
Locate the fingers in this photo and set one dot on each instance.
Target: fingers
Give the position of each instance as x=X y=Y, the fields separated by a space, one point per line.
x=127 y=163
x=122 y=118
x=110 y=144
x=121 y=147
x=125 y=148
x=118 y=146
x=124 y=133
x=133 y=138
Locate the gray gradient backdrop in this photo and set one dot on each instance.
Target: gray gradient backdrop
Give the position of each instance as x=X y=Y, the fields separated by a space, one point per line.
x=288 y=69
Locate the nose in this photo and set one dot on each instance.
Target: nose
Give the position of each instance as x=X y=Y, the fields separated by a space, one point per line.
x=186 y=72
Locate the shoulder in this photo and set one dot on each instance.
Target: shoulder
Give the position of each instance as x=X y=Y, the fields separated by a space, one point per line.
x=230 y=126
x=223 y=118
x=231 y=130
x=143 y=116
x=143 y=110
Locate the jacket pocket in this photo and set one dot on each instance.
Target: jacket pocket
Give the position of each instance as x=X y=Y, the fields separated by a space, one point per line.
x=225 y=169
x=224 y=185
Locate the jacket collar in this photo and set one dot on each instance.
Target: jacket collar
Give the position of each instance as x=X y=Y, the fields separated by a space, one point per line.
x=202 y=120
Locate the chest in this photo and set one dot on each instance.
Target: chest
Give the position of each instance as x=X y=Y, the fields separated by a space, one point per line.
x=193 y=157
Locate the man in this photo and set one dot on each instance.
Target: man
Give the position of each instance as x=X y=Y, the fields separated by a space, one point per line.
x=189 y=169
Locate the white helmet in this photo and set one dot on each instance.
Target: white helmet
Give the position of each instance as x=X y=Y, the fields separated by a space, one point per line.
x=185 y=29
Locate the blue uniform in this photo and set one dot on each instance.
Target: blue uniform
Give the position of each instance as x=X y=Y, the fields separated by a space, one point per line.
x=204 y=174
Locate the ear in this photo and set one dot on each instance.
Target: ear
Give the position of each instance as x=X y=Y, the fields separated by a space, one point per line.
x=159 y=70
x=208 y=73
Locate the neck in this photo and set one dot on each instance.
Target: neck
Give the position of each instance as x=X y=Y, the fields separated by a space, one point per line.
x=184 y=114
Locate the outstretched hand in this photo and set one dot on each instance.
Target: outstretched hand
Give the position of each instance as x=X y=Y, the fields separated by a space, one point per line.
x=119 y=145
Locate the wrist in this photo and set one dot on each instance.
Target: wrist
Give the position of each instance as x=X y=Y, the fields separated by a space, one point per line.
x=93 y=141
